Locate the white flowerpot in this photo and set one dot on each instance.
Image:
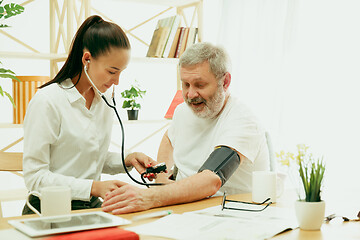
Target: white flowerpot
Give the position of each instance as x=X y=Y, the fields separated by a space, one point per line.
x=310 y=215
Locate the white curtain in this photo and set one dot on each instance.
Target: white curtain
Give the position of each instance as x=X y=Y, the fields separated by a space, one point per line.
x=259 y=36
x=296 y=64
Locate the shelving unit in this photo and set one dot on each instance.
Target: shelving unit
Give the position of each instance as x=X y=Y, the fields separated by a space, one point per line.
x=63 y=31
x=65 y=16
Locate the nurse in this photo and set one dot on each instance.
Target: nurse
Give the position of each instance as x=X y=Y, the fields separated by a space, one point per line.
x=67 y=127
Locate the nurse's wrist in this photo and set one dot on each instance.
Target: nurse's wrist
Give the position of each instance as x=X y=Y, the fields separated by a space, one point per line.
x=95 y=189
x=128 y=162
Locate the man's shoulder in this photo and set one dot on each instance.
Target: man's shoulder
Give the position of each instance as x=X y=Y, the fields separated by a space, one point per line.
x=236 y=106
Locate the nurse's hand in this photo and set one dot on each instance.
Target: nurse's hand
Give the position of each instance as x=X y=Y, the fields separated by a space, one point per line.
x=140 y=162
x=164 y=178
x=101 y=188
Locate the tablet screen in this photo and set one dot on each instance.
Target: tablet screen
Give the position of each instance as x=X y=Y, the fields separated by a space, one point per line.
x=90 y=219
x=41 y=226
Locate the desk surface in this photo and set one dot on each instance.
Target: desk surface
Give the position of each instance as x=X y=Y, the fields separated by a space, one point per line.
x=336 y=229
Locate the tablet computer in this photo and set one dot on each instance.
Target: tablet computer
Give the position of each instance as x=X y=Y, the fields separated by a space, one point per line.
x=42 y=226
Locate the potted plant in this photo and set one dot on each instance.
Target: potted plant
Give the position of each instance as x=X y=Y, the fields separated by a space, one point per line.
x=131 y=97
x=309 y=208
x=7 y=11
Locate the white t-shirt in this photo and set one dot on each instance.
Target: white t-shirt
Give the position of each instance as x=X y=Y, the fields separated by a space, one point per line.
x=194 y=139
x=65 y=143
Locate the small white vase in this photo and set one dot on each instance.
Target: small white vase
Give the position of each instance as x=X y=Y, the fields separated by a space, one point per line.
x=310 y=215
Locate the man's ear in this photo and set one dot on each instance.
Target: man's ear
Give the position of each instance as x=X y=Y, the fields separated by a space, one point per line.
x=227 y=81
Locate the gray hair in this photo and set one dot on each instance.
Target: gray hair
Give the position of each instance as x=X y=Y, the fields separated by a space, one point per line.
x=200 y=52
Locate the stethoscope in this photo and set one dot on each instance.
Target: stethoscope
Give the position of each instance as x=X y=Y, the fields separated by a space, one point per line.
x=121 y=125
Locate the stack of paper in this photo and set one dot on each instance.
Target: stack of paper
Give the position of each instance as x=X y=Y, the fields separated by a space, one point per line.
x=212 y=223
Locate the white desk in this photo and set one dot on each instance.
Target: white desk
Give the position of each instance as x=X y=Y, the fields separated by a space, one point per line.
x=333 y=230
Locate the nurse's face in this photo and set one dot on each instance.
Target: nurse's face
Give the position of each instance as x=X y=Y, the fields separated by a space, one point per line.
x=105 y=70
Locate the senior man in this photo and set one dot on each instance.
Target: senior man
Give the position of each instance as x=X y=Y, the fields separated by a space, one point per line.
x=214 y=141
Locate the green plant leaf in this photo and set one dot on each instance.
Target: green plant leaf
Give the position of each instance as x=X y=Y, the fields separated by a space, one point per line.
x=312 y=176
x=3 y=70
x=13 y=9
x=137 y=105
x=133 y=92
x=126 y=104
x=10 y=98
x=4 y=26
x=1 y=91
x=5 y=75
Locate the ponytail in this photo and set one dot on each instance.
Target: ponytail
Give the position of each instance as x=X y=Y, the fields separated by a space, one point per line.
x=97 y=36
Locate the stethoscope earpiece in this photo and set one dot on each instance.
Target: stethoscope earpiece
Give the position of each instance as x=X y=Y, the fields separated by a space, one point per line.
x=86 y=65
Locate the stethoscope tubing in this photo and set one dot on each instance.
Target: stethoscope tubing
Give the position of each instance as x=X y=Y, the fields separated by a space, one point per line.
x=123 y=143
x=122 y=130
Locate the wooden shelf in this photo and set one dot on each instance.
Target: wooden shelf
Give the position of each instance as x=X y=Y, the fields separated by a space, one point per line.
x=154 y=60
x=170 y=3
x=46 y=56
x=62 y=57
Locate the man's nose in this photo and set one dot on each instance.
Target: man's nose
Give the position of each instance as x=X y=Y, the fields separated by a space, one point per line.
x=192 y=93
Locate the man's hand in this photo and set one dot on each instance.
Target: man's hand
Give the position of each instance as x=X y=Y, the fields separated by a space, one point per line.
x=140 y=162
x=127 y=198
x=100 y=188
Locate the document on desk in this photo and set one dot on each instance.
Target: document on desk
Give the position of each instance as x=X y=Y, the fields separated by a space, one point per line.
x=212 y=223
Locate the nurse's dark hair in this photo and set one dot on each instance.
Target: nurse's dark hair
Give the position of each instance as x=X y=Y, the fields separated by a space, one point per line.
x=98 y=37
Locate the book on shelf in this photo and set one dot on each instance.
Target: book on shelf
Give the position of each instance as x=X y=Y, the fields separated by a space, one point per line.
x=191 y=37
x=162 y=42
x=174 y=44
x=172 y=33
x=180 y=41
x=184 y=39
x=163 y=36
x=154 y=42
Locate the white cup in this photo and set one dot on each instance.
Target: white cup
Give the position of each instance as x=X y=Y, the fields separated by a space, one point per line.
x=55 y=200
x=266 y=184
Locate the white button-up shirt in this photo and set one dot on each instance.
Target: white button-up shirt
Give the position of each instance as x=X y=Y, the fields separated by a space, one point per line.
x=65 y=143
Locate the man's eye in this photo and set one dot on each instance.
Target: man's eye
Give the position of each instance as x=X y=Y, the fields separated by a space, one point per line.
x=186 y=85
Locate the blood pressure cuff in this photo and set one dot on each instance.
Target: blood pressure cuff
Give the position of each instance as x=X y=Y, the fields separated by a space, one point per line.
x=223 y=161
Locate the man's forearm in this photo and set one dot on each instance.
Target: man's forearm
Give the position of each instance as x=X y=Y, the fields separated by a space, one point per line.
x=196 y=187
x=128 y=198
x=165 y=153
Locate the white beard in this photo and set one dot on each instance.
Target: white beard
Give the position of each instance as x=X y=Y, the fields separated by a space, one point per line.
x=213 y=106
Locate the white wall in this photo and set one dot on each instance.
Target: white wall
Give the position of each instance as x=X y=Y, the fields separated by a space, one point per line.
x=296 y=64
